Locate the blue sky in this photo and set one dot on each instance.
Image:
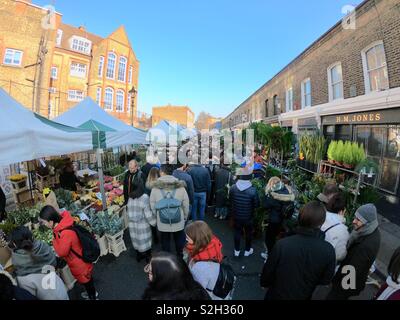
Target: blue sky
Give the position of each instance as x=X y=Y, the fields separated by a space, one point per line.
x=208 y=54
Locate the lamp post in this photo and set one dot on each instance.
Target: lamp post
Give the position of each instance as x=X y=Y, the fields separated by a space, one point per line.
x=133 y=93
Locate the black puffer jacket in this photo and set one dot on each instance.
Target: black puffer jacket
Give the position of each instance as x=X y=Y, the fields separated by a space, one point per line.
x=243 y=203
x=276 y=202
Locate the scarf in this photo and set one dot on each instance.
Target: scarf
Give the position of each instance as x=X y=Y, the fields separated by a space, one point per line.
x=365 y=230
x=390 y=290
x=212 y=252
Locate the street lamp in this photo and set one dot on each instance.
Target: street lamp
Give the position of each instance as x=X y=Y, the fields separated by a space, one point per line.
x=133 y=93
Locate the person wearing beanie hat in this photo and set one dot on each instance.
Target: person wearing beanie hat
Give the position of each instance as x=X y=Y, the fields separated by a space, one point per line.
x=243 y=200
x=362 y=250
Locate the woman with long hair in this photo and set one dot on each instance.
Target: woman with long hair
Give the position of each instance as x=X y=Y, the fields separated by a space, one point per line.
x=153 y=176
x=141 y=219
x=68 y=246
x=170 y=279
x=32 y=259
x=205 y=256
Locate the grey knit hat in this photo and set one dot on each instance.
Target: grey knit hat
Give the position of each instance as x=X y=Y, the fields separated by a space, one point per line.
x=367 y=213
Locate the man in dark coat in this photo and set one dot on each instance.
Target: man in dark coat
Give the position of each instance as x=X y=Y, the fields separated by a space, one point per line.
x=243 y=201
x=68 y=179
x=298 y=264
x=223 y=182
x=362 y=251
x=132 y=177
x=2 y=205
x=202 y=186
x=181 y=174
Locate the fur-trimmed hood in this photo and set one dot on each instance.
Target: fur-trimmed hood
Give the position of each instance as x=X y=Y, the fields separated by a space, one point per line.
x=284 y=197
x=169 y=182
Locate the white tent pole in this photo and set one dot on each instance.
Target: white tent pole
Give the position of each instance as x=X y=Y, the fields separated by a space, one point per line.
x=101 y=178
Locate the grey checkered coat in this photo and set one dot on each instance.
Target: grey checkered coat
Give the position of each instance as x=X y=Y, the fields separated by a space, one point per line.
x=140 y=219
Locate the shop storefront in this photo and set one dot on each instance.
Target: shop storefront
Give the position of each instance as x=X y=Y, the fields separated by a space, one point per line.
x=307 y=125
x=379 y=131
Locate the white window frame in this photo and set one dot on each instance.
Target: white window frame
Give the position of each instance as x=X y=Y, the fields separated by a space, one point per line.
x=120 y=93
x=83 y=45
x=54 y=73
x=101 y=67
x=130 y=74
x=331 y=84
x=367 y=80
x=289 y=99
x=53 y=90
x=13 y=52
x=76 y=95
x=78 y=69
x=108 y=64
x=59 y=37
x=303 y=93
x=121 y=59
x=51 y=110
x=105 y=99
x=99 y=96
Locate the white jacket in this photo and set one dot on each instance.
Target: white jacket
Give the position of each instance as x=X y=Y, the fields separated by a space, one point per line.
x=337 y=236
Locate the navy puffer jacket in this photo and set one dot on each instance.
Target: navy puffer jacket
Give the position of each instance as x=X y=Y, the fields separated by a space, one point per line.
x=243 y=203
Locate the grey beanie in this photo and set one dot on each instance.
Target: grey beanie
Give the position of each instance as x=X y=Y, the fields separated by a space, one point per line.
x=367 y=213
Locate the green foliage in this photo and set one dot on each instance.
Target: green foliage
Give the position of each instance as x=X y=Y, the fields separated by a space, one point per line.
x=43 y=234
x=367 y=166
x=270 y=172
x=19 y=216
x=339 y=151
x=331 y=150
x=66 y=201
x=348 y=153
x=359 y=153
x=7 y=227
x=105 y=223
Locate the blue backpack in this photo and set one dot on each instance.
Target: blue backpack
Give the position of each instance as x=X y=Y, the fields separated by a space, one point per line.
x=169 y=208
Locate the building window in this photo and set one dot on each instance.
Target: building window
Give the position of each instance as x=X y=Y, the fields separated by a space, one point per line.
x=54 y=73
x=375 y=68
x=130 y=74
x=111 y=65
x=335 y=82
x=78 y=70
x=119 y=107
x=266 y=108
x=81 y=45
x=289 y=100
x=98 y=96
x=306 y=93
x=13 y=57
x=109 y=99
x=75 y=95
x=51 y=110
x=101 y=66
x=129 y=103
x=59 y=37
x=122 y=69
x=52 y=90
x=276 y=105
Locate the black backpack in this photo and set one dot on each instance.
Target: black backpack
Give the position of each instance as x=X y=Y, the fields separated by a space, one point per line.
x=90 y=246
x=226 y=281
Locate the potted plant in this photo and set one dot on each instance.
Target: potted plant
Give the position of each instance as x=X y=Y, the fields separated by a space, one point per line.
x=331 y=152
x=369 y=169
x=338 y=155
x=319 y=148
x=18 y=181
x=358 y=153
x=348 y=158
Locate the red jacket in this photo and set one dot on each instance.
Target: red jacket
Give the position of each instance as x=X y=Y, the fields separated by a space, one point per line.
x=66 y=240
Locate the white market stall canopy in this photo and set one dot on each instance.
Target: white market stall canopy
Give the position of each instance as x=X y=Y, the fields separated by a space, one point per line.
x=112 y=132
x=167 y=132
x=25 y=135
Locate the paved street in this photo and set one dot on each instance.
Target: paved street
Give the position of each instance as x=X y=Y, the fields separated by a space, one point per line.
x=123 y=278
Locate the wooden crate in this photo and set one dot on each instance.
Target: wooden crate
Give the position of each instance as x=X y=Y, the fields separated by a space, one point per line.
x=20 y=185
x=116 y=243
x=22 y=196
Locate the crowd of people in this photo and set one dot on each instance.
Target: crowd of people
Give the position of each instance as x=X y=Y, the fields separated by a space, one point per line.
x=167 y=203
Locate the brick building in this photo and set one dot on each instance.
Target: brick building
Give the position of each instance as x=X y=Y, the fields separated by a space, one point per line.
x=346 y=84
x=182 y=115
x=64 y=64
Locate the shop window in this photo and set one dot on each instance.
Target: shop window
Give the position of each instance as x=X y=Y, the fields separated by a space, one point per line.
x=375 y=141
x=393 y=143
x=343 y=132
x=390 y=175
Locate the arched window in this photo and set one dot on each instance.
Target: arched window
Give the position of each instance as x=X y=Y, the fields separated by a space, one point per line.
x=335 y=81
x=266 y=108
x=101 y=66
x=120 y=101
x=109 y=99
x=276 y=105
x=112 y=58
x=375 y=68
x=122 y=69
